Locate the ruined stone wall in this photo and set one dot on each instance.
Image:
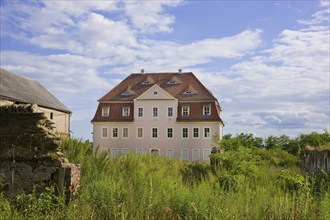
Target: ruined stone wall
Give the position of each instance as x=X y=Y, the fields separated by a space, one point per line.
x=30 y=156
x=313 y=159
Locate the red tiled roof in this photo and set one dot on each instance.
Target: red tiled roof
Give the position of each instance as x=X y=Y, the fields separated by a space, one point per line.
x=133 y=87
x=186 y=82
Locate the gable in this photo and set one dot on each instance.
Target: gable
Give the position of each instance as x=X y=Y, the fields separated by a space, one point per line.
x=155 y=93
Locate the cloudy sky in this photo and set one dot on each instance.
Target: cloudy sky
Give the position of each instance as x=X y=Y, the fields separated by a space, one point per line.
x=266 y=61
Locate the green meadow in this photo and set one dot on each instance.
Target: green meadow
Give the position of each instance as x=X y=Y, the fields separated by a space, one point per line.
x=252 y=179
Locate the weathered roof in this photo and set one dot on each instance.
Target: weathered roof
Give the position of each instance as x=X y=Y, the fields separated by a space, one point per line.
x=184 y=86
x=18 y=88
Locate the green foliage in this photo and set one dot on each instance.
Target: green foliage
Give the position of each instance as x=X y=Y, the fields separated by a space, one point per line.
x=195 y=173
x=292 y=182
x=245 y=182
x=277 y=157
x=228 y=182
x=242 y=140
x=46 y=205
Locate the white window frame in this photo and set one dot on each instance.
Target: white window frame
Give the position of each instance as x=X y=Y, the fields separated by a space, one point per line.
x=167 y=152
x=206 y=153
x=123 y=133
x=112 y=132
x=182 y=155
x=152 y=133
x=138 y=112
x=114 y=150
x=137 y=133
x=168 y=111
x=105 y=111
x=168 y=133
x=139 y=149
x=193 y=133
x=204 y=132
x=185 y=110
x=209 y=110
x=124 y=151
x=153 y=112
x=126 y=113
x=193 y=156
x=102 y=133
x=184 y=133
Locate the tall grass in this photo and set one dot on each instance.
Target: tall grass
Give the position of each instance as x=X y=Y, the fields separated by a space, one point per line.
x=245 y=185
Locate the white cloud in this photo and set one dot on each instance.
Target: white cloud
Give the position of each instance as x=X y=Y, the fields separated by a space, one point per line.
x=63 y=73
x=282 y=87
x=149 y=16
x=320 y=16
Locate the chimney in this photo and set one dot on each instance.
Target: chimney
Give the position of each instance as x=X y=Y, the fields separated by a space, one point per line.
x=180 y=70
x=142 y=71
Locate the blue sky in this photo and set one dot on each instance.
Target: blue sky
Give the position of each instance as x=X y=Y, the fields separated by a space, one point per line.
x=266 y=61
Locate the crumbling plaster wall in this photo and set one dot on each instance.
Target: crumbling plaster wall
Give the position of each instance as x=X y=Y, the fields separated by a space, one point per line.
x=313 y=159
x=30 y=157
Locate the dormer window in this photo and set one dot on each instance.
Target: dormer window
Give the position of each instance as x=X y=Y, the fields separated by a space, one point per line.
x=206 y=110
x=126 y=111
x=126 y=94
x=188 y=92
x=105 y=111
x=185 y=110
x=172 y=82
x=146 y=83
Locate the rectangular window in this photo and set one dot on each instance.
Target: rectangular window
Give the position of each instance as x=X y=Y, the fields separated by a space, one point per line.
x=169 y=132
x=185 y=132
x=207 y=133
x=114 y=152
x=196 y=132
x=169 y=153
x=185 y=154
x=154 y=132
x=155 y=112
x=170 y=111
x=104 y=132
x=207 y=110
x=185 y=110
x=195 y=154
x=140 y=112
x=125 y=132
x=139 y=151
x=125 y=111
x=140 y=132
x=206 y=154
x=124 y=151
x=105 y=111
x=114 y=132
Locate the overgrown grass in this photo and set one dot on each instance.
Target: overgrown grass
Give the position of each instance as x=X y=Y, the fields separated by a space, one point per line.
x=246 y=184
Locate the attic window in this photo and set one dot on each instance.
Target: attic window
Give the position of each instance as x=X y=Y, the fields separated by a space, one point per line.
x=146 y=83
x=188 y=92
x=172 y=82
x=126 y=94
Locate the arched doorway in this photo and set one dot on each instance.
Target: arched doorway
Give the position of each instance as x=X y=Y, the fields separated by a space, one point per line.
x=154 y=151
